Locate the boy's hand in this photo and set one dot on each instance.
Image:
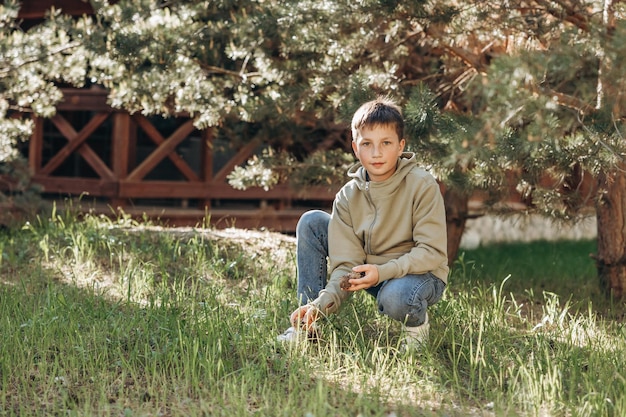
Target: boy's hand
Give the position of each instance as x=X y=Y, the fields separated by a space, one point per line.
x=304 y=316
x=368 y=280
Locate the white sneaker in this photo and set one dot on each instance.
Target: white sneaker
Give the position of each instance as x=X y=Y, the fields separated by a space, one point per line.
x=417 y=336
x=293 y=335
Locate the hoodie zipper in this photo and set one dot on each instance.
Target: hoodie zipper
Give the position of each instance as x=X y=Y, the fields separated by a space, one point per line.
x=368 y=244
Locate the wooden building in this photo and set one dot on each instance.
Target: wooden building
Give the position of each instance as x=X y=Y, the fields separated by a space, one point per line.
x=173 y=171
x=163 y=168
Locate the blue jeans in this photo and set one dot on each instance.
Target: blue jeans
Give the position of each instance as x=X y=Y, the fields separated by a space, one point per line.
x=404 y=299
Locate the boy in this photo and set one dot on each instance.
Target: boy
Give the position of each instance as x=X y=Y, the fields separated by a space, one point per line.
x=387 y=228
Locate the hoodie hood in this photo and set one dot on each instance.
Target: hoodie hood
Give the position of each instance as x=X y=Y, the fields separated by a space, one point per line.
x=358 y=174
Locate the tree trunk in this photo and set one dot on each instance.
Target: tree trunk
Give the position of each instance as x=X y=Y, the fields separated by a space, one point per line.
x=611 y=219
x=456 y=217
x=611 y=204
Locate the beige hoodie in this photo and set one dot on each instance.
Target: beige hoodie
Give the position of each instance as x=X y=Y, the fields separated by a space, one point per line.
x=398 y=224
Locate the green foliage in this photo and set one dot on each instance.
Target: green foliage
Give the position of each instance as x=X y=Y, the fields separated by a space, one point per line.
x=321 y=168
x=31 y=64
x=265 y=171
x=496 y=95
x=555 y=97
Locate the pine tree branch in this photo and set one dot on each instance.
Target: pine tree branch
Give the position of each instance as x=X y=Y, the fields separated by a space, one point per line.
x=4 y=72
x=603 y=143
x=564 y=100
x=572 y=16
x=211 y=69
x=473 y=60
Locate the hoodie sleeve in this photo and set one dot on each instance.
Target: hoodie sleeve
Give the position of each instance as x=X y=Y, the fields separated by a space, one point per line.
x=347 y=250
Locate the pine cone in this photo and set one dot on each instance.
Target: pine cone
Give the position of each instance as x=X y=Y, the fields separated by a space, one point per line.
x=344 y=283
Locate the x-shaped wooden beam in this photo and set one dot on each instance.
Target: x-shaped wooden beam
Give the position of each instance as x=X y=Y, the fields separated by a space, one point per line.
x=76 y=142
x=165 y=148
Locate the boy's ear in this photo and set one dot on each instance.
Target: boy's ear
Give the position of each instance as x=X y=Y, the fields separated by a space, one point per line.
x=355 y=149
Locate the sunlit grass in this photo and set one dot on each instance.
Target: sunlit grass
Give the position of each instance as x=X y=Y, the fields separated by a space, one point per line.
x=112 y=317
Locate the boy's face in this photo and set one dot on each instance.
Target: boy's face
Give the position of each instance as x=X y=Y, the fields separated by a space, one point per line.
x=378 y=148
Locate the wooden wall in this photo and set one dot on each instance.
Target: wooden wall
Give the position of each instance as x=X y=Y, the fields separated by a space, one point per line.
x=121 y=177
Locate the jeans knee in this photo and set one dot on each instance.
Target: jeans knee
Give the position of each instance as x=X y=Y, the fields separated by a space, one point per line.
x=311 y=221
x=409 y=313
x=407 y=299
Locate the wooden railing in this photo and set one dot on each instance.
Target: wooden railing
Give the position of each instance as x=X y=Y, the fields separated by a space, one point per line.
x=119 y=180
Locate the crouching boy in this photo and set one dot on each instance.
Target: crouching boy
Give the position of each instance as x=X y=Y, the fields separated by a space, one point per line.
x=387 y=230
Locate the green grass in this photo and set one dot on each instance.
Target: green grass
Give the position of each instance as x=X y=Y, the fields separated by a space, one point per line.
x=561 y=266
x=103 y=317
x=565 y=269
